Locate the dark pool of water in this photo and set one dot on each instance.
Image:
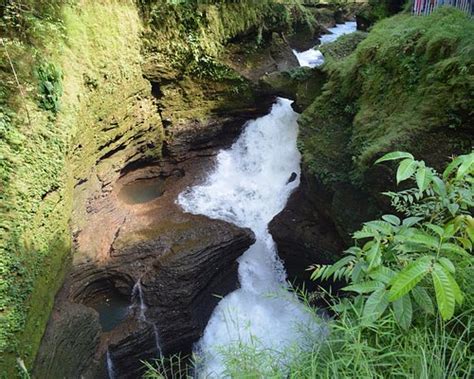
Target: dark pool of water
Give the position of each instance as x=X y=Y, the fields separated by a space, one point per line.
x=112 y=309
x=142 y=191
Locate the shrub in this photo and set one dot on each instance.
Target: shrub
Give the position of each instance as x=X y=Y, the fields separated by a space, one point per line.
x=398 y=263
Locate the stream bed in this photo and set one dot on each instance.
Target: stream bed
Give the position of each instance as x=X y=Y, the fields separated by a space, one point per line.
x=249 y=186
x=313 y=57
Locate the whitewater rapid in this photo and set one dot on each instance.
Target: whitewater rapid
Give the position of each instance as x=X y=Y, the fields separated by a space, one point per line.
x=313 y=57
x=248 y=187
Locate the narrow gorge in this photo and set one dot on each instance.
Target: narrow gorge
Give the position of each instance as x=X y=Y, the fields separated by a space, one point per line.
x=171 y=169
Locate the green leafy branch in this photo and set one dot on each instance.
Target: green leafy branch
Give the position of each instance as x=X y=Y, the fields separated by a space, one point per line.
x=398 y=263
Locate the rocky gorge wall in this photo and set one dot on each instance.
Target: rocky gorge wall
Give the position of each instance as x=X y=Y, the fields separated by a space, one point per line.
x=91 y=60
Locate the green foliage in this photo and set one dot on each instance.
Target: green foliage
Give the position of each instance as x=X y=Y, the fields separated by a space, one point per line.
x=429 y=351
x=31 y=21
x=376 y=10
x=400 y=262
x=50 y=87
x=343 y=46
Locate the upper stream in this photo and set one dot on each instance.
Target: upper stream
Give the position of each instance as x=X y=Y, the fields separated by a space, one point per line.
x=248 y=187
x=313 y=57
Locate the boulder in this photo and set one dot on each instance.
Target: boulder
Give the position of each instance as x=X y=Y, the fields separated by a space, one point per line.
x=302 y=85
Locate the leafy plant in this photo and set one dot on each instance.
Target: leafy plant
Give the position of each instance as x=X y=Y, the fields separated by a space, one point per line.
x=50 y=87
x=398 y=263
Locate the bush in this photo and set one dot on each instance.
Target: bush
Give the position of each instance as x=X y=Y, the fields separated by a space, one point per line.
x=398 y=263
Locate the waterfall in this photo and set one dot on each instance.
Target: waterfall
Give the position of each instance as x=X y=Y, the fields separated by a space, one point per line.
x=157 y=339
x=110 y=366
x=313 y=57
x=249 y=186
x=137 y=300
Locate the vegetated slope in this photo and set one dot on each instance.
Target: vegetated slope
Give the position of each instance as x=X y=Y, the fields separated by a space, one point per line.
x=408 y=86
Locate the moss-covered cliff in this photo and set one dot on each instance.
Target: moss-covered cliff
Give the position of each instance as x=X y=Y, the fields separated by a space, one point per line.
x=408 y=86
x=79 y=71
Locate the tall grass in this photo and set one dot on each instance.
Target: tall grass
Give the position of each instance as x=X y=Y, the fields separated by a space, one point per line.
x=432 y=349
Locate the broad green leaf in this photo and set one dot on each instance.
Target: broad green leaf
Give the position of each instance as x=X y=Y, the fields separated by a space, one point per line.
x=423 y=238
x=406 y=169
x=392 y=219
x=470 y=229
x=423 y=299
x=423 y=178
x=458 y=295
x=374 y=255
x=467 y=244
x=382 y=274
x=393 y=156
x=447 y=264
x=466 y=166
x=453 y=208
x=403 y=311
x=449 y=169
x=410 y=221
x=450 y=229
x=375 y=305
x=361 y=234
x=444 y=292
x=435 y=228
x=364 y=287
x=439 y=186
x=357 y=271
x=354 y=250
x=409 y=277
x=381 y=226
x=449 y=247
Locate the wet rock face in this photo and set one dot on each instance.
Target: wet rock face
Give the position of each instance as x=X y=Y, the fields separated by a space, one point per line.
x=73 y=331
x=274 y=54
x=305 y=234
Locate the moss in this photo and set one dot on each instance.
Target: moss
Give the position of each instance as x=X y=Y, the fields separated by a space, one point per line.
x=190 y=38
x=409 y=80
x=302 y=85
x=342 y=47
x=376 y=10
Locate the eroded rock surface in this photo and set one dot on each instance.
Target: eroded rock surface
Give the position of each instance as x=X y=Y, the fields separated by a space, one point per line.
x=305 y=234
x=180 y=260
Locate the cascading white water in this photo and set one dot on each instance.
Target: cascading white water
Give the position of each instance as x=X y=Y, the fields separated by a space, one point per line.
x=314 y=57
x=138 y=301
x=110 y=366
x=249 y=186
